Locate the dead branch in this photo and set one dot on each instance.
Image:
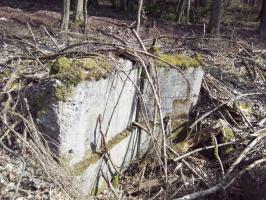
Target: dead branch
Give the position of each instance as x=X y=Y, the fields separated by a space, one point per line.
x=221 y=105
x=223 y=185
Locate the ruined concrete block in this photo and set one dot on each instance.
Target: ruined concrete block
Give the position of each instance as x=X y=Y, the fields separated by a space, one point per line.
x=107 y=106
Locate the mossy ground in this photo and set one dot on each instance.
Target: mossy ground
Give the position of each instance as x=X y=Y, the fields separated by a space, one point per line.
x=5 y=74
x=228 y=135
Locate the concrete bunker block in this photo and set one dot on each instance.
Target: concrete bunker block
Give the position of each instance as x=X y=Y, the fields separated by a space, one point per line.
x=108 y=106
x=179 y=91
x=75 y=123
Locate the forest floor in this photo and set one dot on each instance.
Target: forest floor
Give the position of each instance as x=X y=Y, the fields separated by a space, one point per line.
x=234 y=64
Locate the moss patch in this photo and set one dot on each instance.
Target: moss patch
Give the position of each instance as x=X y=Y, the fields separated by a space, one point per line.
x=72 y=71
x=63 y=70
x=117 y=139
x=245 y=107
x=182 y=147
x=227 y=136
x=95 y=68
x=115 y=181
x=92 y=158
x=180 y=60
x=80 y=167
x=5 y=74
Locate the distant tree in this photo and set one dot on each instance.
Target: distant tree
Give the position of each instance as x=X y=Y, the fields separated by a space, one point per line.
x=215 y=17
x=80 y=14
x=140 y=10
x=65 y=15
x=167 y=3
x=180 y=10
x=127 y=5
x=262 y=17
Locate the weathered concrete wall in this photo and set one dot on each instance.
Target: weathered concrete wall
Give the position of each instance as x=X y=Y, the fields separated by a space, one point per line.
x=178 y=90
x=75 y=122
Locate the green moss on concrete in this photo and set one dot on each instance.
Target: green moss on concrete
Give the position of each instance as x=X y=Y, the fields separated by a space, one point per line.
x=64 y=70
x=178 y=102
x=179 y=60
x=117 y=139
x=62 y=92
x=115 y=181
x=92 y=158
x=72 y=71
x=95 y=68
x=15 y=86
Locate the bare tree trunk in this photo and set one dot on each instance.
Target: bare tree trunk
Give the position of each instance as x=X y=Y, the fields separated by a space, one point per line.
x=262 y=17
x=93 y=3
x=215 y=17
x=227 y=4
x=139 y=15
x=130 y=5
x=188 y=11
x=113 y=2
x=163 y=6
x=78 y=14
x=65 y=15
x=85 y=14
x=180 y=10
x=123 y=5
x=204 y=3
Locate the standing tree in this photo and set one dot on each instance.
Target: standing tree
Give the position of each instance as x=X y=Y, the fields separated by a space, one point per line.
x=127 y=5
x=80 y=14
x=140 y=9
x=180 y=10
x=215 y=17
x=65 y=15
x=262 y=17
